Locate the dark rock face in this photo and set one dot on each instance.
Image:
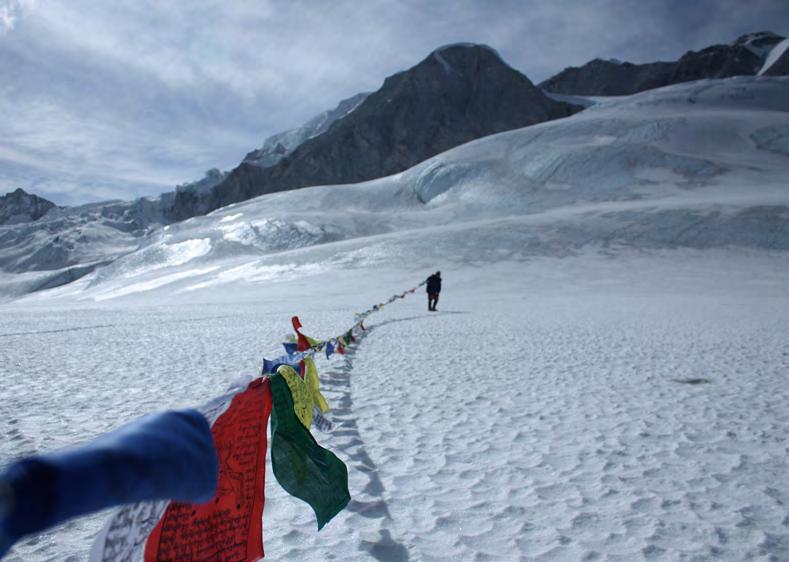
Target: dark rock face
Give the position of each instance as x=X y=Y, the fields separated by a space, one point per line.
x=455 y=95
x=278 y=146
x=607 y=78
x=760 y=43
x=719 y=61
x=20 y=206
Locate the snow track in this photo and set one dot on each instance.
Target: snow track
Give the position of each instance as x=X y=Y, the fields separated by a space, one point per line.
x=369 y=501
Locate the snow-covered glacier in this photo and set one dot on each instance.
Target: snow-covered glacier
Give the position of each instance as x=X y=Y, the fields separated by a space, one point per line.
x=697 y=165
x=605 y=378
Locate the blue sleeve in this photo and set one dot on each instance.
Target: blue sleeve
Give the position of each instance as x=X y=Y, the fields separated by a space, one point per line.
x=169 y=455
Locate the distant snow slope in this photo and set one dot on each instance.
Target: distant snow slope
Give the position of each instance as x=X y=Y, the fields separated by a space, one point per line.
x=69 y=242
x=696 y=165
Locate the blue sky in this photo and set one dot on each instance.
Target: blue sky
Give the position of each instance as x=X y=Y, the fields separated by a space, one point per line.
x=102 y=100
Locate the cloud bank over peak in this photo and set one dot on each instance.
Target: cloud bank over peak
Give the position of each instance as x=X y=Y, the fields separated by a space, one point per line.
x=132 y=97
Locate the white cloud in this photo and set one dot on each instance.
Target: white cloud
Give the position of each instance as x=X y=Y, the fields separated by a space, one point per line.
x=11 y=11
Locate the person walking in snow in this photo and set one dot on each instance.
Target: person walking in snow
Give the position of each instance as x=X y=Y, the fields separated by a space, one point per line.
x=433 y=288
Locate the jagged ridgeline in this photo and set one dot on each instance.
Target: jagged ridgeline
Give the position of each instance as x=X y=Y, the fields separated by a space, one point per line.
x=457 y=94
x=763 y=53
x=20 y=206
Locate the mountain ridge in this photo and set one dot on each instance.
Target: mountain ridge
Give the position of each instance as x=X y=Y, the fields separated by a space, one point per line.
x=690 y=167
x=56 y=245
x=743 y=57
x=456 y=94
x=20 y=206
x=278 y=146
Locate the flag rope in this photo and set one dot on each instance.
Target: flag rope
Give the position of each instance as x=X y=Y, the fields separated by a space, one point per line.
x=308 y=348
x=216 y=453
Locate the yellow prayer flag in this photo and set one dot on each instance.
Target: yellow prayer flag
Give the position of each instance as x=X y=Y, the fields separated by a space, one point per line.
x=311 y=378
x=302 y=395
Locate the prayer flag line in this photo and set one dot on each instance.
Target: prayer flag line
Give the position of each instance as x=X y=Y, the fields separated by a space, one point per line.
x=162 y=467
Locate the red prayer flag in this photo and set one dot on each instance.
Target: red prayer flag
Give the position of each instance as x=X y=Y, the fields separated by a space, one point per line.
x=228 y=527
x=303 y=344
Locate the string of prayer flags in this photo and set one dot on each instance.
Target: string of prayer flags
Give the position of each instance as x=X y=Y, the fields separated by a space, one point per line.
x=197 y=476
x=292 y=357
x=301 y=466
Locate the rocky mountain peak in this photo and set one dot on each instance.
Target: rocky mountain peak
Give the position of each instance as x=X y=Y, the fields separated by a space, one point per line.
x=456 y=94
x=20 y=206
x=459 y=57
x=761 y=41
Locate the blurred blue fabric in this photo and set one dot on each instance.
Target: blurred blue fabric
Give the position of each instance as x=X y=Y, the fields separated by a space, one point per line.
x=169 y=455
x=270 y=366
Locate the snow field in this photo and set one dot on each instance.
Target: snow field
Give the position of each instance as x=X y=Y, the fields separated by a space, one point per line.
x=582 y=443
x=554 y=409
x=605 y=380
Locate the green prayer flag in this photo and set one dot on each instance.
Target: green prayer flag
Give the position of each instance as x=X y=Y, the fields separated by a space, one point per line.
x=301 y=466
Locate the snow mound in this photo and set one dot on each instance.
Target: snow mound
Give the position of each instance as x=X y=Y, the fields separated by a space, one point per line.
x=153 y=257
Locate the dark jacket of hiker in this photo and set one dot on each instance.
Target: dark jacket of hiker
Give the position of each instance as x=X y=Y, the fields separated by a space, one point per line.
x=434 y=283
